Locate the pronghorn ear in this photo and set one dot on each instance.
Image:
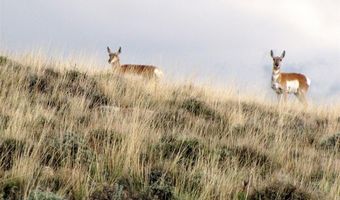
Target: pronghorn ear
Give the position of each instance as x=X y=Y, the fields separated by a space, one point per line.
x=119 y=50
x=108 y=50
x=272 y=53
x=283 y=54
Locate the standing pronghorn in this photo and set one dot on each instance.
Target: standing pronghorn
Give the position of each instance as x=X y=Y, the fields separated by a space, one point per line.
x=288 y=83
x=146 y=71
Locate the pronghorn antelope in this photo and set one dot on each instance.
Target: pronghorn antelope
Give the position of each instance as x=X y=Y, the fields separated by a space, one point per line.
x=146 y=71
x=288 y=83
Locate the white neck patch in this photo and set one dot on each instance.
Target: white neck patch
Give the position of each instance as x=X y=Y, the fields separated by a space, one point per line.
x=275 y=75
x=275 y=83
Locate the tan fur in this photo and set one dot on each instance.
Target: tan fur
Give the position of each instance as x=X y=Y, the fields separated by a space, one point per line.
x=147 y=71
x=284 y=77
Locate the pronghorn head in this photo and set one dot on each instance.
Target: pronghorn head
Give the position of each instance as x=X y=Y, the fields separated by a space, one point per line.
x=277 y=59
x=114 y=56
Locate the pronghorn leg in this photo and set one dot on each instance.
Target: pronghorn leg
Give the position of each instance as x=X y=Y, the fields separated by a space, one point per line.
x=302 y=98
x=282 y=97
x=285 y=97
x=279 y=98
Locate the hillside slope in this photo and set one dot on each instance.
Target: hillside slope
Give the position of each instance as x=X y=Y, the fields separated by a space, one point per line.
x=66 y=134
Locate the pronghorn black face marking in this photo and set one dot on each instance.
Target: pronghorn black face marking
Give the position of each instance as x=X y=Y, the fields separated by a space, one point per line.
x=277 y=59
x=113 y=57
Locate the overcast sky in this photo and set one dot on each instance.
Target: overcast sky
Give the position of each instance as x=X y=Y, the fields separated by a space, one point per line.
x=220 y=41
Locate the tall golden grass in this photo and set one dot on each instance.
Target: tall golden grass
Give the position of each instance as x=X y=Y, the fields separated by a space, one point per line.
x=71 y=132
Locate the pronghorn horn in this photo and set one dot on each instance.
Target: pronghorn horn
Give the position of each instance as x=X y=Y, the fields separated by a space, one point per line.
x=272 y=53
x=120 y=50
x=108 y=50
x=283 y=54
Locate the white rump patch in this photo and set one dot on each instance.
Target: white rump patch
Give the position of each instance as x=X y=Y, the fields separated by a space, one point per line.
x=292 y=86
x=308 y=81
x=158 y=73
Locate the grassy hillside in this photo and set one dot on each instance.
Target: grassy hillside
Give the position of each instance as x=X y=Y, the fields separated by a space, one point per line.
x=70 y=134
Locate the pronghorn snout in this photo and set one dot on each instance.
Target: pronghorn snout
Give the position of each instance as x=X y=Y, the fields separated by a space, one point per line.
x=113 y=60
x=277 y=62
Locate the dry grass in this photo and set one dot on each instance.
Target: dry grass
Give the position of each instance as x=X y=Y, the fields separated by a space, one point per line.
x=69 y=133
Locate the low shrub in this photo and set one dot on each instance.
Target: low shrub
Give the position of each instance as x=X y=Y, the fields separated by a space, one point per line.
x=168 y=120
x=50 y=73
x=160 y=185
x=40 y=195
x=73 y=83
x=3 y=60
x=4 y=120
x=101 y=137
x=69 y=148
x=109 y=192
x=58 y=103
x=245 y=156
x=37 y=84
x=188 y=149
x=124 y=188
x=84 y=120
x=199 y=108
x=280 y=191
x=97 y=99
x=12 y=189
x=9 y=149
x=331 y=143
x=52 y=183
x=79 y=84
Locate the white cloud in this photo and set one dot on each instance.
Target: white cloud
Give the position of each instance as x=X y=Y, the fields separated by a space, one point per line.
x=314 y=19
